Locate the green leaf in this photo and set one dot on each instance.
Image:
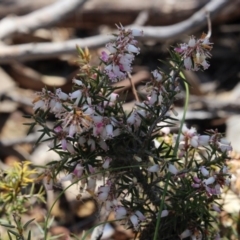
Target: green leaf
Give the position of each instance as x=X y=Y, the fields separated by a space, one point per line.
x=9 y=235
x=40 y=138
x=31 y=127
x=14 y=233
x=27 y=223
x=27 y=116
x=29 y=235
x=7 y=225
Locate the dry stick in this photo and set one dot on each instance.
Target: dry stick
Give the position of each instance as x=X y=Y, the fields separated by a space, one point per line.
x=44 y=17
x=133 y=87
x=34 y=51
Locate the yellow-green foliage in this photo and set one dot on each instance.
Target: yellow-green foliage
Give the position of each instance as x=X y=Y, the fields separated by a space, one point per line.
x=17 y=187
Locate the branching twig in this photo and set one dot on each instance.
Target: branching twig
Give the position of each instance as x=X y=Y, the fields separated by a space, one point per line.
x=44 y=17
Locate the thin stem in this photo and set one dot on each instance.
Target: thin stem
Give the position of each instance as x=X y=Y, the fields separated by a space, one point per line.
x=174 y=153
x=161 y=207
x=184 y=115
x=209 y=25
x=133 y=87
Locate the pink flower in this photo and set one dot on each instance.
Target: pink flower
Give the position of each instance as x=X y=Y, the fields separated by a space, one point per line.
x=78 y=170
x=195 y=53
x=104 y=56
x=122 y=49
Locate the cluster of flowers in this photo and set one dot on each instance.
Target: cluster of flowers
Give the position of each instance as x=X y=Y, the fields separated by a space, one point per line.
x=91 y=121
x=195 y=53
x=190 y=138
x=121 y=54
x=78 y=116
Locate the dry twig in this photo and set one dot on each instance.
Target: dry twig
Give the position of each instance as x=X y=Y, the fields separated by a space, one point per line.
x=44 y=17
x=33 y=51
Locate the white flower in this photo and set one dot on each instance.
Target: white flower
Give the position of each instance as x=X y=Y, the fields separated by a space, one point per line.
x=192 y=42
x=91 y=184
x=172 y=169
x=120 y=212
x=185 y=234
x=157 y=76
x=209 y=181
x=194 y=141
x=70 y=148
x=204 y=171
x=154 y=97
x=111 y=47
x=164 y=213
x=68 y=177
x=224 y=145
x=131 y=48
x=109 y=130
x=216 y=208
x=140 y=215
x=134 y=221
x=39 y=104
x=154 y=168
x=188 y=63
x=103 y=196
x=106 y=162
x=76 y=94
x=113 y=97
x=72 y=130
x=78 y=82
x=61 y=95
x=203 y=140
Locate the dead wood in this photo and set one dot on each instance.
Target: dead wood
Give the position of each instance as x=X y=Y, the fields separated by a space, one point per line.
x=43 y=17
x=33 y=51
x=106 y=12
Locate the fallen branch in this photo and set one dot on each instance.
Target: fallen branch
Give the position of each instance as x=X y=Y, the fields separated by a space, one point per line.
x=35 y=51
x=44 y=17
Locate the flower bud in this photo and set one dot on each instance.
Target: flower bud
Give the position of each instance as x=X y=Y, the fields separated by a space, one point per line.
x=154 y=168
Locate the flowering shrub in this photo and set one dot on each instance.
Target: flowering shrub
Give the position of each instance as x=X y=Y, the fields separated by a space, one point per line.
x=162 y=185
